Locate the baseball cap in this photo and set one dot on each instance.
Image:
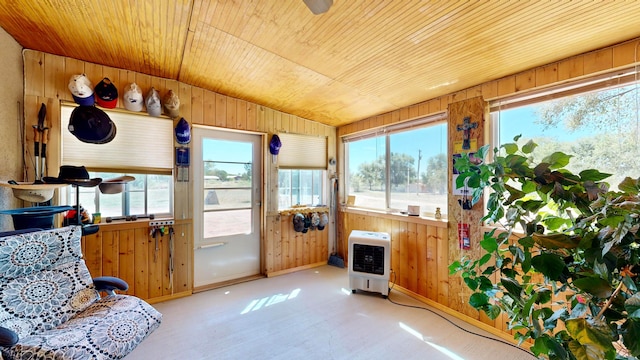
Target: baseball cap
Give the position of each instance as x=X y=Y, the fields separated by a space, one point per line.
x=106 y=94
x=81 y=90
x=315 y=220
x=298 y=222
x=172 y=104
x=91 y=125
x=154 y=107
x=132 y=97
x=324 y=220
x=275 y=144
x=183 y=132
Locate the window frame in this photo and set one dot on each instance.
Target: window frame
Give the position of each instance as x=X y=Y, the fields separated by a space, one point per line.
x=125 y=208
x=601 y=82
x=322 y=186
x=440 y=118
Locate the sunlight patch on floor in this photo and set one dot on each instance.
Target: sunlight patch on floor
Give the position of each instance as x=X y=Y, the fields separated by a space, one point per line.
x=258 y=304
x=419 y=335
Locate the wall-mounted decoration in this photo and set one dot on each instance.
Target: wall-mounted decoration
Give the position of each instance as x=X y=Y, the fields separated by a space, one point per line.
x=464 y=236
x=467 y=142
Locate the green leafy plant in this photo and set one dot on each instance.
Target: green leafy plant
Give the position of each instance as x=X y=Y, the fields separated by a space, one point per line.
x=562 y=256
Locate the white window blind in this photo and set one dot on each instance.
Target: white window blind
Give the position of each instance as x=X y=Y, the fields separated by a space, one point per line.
x=142 y=144
x=302 y=152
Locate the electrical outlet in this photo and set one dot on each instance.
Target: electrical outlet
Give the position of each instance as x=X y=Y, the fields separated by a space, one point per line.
x=161 y=222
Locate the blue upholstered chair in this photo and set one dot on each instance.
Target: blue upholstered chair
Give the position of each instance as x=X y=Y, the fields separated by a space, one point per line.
x=50 y=307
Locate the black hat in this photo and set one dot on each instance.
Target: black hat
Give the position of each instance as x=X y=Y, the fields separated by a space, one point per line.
x=74 y=175
x=298 y=222
x=91 y=125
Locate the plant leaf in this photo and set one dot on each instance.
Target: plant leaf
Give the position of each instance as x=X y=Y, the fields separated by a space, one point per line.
x=550 y=265
x=513 y=287
x=484 y=283
x=630 y=185
x=632 y=305
x=471 y=283
x=631 y=336
x=529 y=147
x=555 y=241
x=478 y=300
x=489 y=244
x=510 y=148
x=557 y=160
x=590 y=341
x=594 y=285
x=485 y=259
x=593 y=175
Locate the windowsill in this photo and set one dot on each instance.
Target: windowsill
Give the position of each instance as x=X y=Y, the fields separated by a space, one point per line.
x=396 y=216
x=303 y=210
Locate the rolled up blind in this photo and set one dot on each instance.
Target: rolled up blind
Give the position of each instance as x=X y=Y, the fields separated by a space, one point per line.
x=302 y=152
x=143 y=144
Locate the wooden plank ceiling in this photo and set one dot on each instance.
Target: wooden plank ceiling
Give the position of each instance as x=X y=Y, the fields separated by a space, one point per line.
x=361 y=58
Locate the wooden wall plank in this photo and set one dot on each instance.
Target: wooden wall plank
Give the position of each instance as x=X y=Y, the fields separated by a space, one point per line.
x=597 y=61
x=525 y=80
x=127 y=261
x=110 y=254
x=209 y=111
x=241 y=114
x=54 y=79
x=412 y=260
x=93 y=253
x=221 y=111
x=34 y=73
x=197 y=106
x=421 y=259
x=142 y=261
x=432 y=263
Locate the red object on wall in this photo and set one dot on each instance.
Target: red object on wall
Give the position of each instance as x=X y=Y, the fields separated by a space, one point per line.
x=464 y=236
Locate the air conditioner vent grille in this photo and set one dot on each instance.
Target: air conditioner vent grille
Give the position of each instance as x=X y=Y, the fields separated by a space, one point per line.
x=368 y=259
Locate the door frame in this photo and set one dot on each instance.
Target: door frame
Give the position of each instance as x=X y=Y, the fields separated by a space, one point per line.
x=262 y=207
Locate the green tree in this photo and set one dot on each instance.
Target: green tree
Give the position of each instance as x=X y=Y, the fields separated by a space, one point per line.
x=371 y=173
x=247 y=172
x=435 y=175
x=209 y=168
x=402 y=169
x=221 y=174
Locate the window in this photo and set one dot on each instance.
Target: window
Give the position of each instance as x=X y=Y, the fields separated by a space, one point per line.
x=597 y=123
x=399 y=166
x=143 y=148
x=147 y=194
x=300 y=187
x=302 y=171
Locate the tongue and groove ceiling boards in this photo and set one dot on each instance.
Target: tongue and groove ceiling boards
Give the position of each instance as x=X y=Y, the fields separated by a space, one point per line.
x=359 y=59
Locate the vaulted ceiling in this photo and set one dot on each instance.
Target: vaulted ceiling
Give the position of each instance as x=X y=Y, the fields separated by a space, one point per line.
x=359 y=59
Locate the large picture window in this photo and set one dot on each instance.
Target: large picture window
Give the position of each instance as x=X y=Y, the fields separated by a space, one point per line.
x=399 y=166
x=597 y=124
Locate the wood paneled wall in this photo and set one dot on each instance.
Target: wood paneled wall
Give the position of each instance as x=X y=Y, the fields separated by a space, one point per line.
x=46 y=79
x=419 y=250
x=128 y=251
x=450 y=292
x=295 y=250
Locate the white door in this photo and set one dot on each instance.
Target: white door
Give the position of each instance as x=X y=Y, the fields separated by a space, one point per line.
x=226 y=205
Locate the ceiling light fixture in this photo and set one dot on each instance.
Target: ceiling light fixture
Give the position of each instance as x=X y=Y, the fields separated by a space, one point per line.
x=318 y=6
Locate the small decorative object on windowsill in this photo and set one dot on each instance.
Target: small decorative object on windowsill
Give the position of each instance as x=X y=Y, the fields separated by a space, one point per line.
x=438 y=215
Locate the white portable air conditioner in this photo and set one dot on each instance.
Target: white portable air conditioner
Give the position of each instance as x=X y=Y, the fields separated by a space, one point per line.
x=369 y=261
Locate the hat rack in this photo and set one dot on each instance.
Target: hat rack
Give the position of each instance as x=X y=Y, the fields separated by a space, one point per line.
x=304 y=210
